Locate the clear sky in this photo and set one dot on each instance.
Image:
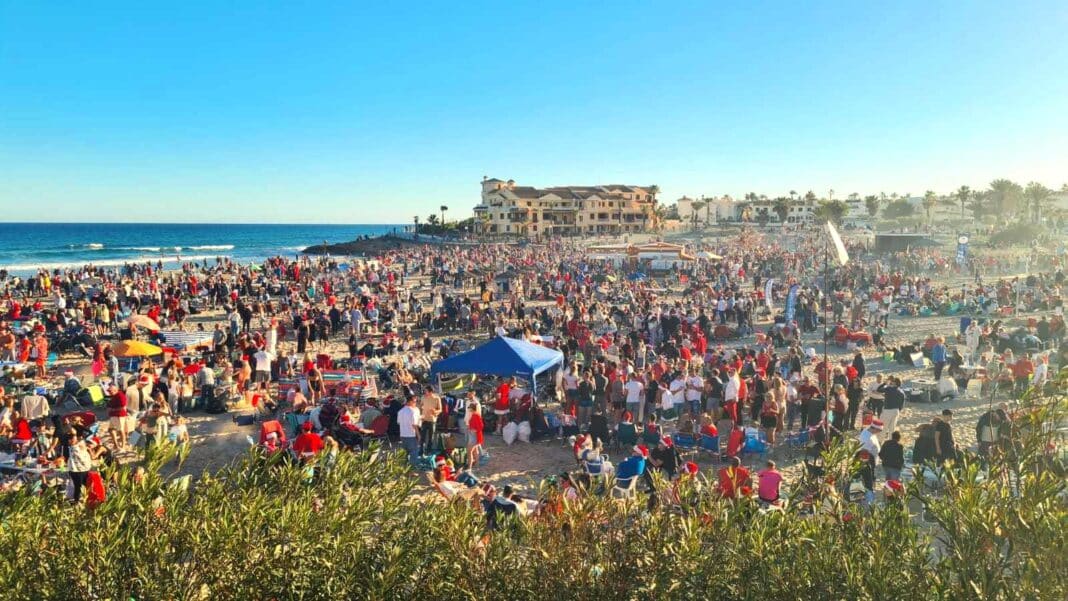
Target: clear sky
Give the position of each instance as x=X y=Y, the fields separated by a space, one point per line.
x=373 y=112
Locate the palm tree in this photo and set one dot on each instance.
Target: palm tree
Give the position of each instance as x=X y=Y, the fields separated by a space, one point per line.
x=963 y=194
x=1005 y=194
x=696 y=207
x=781 y=208
x=416 y=220
x=1037 y=197
x=830 y=210
x=810 y=196
x=432 y=219
x=871 y=203
x=793 y=194
x=854 y=196
x=929 y=201
x=443 y=209
x=978 y=204
x=708 y=211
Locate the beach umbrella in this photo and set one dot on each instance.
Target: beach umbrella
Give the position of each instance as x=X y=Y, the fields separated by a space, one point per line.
x=704 y=254
x=135 y=348
x=143 y=321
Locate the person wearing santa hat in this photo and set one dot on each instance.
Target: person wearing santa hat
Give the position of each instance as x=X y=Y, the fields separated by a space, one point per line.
x=308 y=443
x=633 y=466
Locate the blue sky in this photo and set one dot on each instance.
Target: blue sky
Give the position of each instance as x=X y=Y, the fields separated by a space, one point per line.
x=374 y=112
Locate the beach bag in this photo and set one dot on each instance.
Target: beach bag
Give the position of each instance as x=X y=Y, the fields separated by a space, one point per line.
x=510 y=432
x=244 y=420
x=134 y=438
x=524 y=431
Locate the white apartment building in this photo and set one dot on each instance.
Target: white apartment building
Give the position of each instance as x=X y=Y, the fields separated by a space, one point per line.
x=525 y=211
x=714 y=210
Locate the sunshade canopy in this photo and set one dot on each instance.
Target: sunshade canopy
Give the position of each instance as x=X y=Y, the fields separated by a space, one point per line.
x=501 y=357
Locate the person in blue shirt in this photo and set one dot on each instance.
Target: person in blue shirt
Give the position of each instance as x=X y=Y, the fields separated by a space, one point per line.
x=938 y=357
x=633 y=466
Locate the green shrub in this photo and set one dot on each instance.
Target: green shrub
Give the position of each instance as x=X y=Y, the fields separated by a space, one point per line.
x=1019 y=233
x=262 y=529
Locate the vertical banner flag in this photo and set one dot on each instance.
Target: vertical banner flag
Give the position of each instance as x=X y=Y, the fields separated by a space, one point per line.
x=791 y=302
x=962 y=250
x=768 y=286
x=839 y=247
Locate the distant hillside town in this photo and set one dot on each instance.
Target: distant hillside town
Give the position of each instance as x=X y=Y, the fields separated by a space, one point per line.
x=509 y=210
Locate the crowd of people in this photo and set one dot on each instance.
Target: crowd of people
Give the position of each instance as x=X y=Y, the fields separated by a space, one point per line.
x=720 y=357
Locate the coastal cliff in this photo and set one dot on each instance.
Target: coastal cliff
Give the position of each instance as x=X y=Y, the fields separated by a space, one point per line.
x=367 y=246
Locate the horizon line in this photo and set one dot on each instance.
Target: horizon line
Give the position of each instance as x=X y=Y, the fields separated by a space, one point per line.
x=3 y=222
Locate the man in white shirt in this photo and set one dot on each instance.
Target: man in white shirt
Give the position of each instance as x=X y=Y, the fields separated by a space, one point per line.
x=263 y=367
x=695 y=385
x=677 y=388
x=634 y=389
x=408 y=420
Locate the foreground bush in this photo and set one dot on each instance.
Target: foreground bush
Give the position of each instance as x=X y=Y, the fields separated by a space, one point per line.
x=263 y=530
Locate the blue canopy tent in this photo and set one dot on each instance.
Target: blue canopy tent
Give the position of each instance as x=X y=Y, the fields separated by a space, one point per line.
x=502 y=357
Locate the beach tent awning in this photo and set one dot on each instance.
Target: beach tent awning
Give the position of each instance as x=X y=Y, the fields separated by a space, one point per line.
x=182 y=341
x=501 y=356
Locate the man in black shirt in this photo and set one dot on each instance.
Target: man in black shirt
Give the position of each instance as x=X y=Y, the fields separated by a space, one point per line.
x=893 y=403
x=947 y=446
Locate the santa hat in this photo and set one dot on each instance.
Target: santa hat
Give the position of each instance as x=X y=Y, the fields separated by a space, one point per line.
x=893 y=488
x=439 y=461
x=876 y=423
x=666 y=440
x=144 y=379
x=307 y=426
x=690 y=468
x=641 y=450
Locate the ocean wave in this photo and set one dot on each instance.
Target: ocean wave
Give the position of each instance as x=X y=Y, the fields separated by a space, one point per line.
x=89 y=246
x=104 y=263
x=213 y=247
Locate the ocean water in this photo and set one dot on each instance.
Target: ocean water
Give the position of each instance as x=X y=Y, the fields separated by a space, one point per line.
x=27 y=247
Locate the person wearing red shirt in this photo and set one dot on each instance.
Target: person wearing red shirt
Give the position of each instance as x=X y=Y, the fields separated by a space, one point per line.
x=700 y=344
x=734 y=480
x=1022 y=370
x=762 y=362
x=500 y=408
x=308 y=444
x=473 y=416
x=117 y=416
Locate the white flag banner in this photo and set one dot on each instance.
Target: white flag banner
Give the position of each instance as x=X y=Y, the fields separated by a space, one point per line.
x=769 y=287
x=839 y=247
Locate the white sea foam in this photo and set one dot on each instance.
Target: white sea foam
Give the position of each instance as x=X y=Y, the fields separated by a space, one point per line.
x=104 y=263
x=214 y=247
